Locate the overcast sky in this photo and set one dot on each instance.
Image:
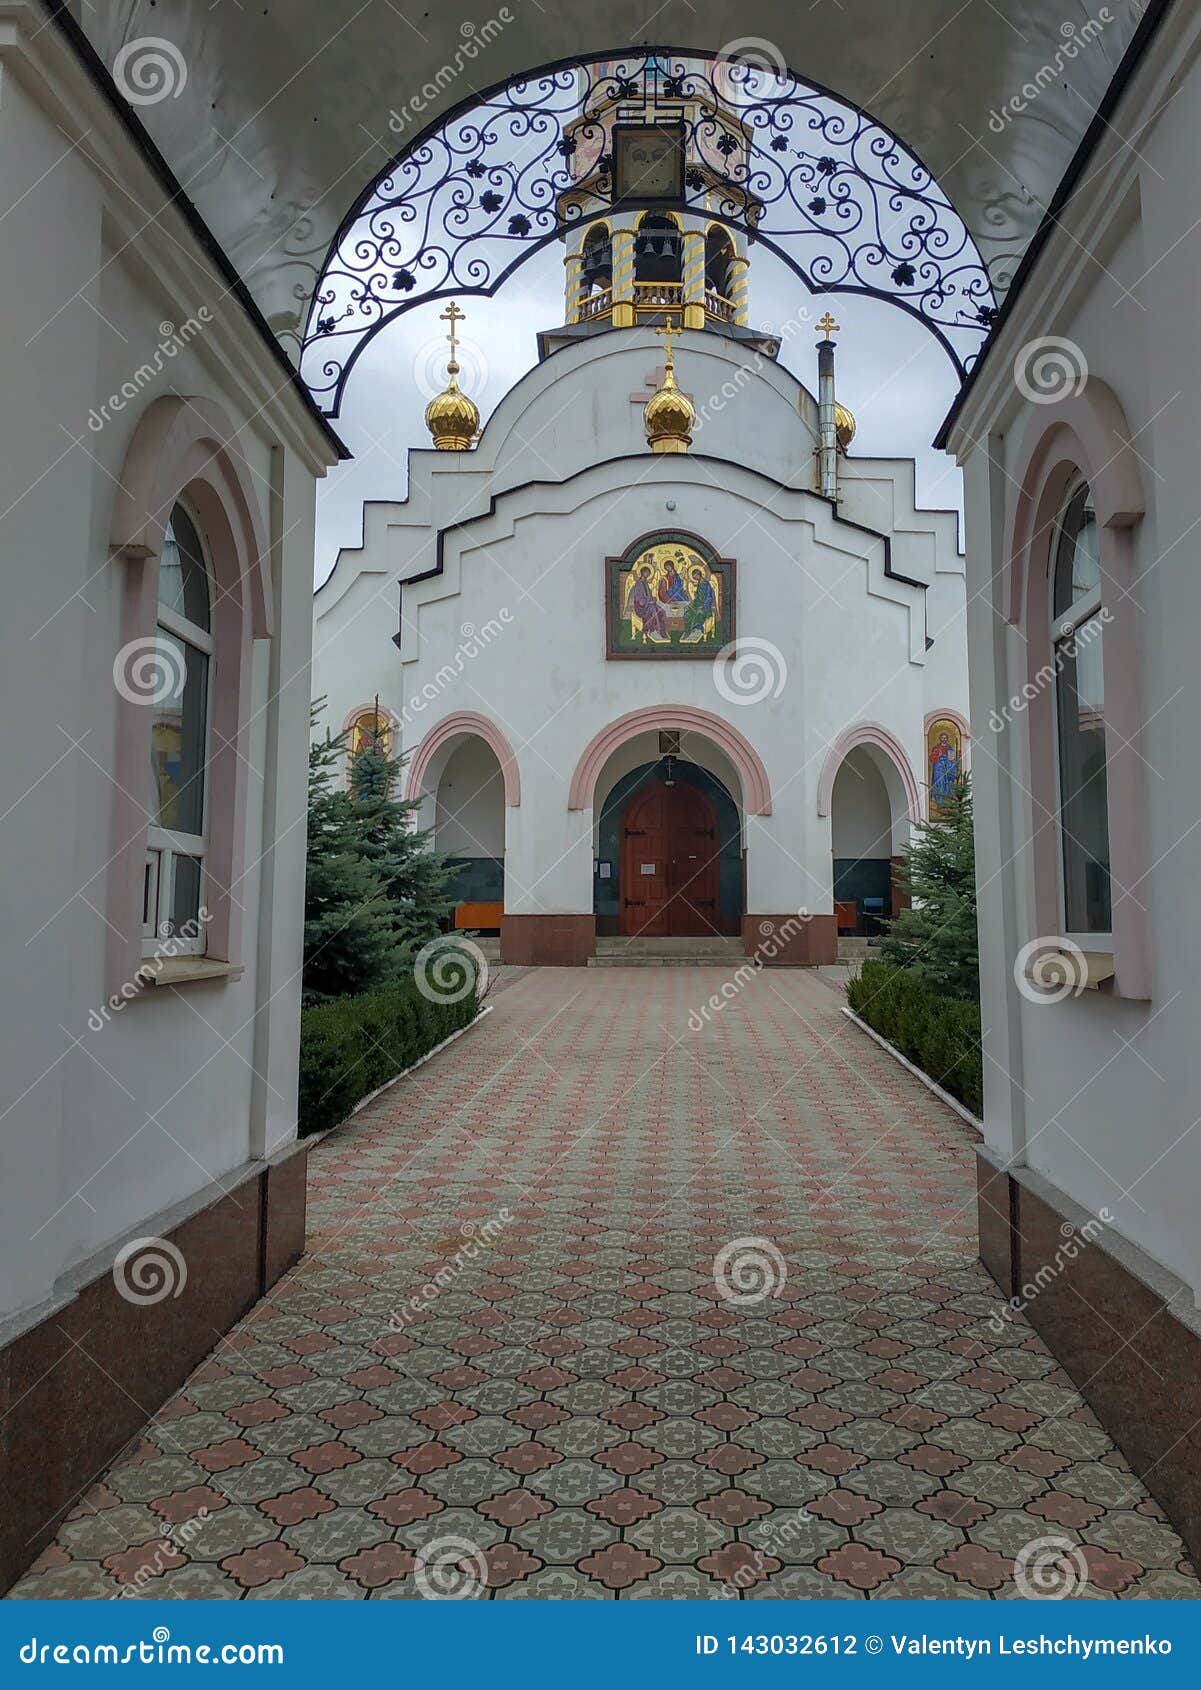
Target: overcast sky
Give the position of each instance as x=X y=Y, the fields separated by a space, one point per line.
x=892 y=373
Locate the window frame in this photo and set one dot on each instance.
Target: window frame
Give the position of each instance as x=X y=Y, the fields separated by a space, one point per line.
x=1062 y=628
x=168 y=844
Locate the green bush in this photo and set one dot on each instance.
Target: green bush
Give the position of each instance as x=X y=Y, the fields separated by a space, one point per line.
x=940 y=1034
x=350 y=1046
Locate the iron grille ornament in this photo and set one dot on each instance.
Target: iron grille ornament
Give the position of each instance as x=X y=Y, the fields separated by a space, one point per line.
x=834 y=194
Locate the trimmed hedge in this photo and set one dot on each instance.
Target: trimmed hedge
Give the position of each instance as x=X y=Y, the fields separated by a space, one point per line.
x=940 y=1034
x=351 y=1046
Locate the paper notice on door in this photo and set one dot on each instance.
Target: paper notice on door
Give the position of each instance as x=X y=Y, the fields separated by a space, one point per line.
x=648 y=868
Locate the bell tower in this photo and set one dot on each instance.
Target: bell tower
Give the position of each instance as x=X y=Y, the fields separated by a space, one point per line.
x=637 y=151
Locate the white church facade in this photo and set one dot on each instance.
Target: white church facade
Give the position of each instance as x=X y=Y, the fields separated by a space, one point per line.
x=663 y=668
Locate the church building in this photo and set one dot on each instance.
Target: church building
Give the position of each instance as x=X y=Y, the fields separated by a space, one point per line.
x=669 y=662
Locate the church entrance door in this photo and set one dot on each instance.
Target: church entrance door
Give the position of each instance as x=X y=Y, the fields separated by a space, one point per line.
x=669 y=864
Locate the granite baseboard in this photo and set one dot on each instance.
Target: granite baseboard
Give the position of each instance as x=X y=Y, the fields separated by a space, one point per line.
x=77 y=1384
x=1118 y=1327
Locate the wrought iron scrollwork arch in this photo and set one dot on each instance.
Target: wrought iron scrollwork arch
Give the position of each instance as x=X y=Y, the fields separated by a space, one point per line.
x=834 y=194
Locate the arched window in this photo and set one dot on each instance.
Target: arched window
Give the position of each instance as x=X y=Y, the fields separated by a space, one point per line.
x=1076 y=632
x=719 y=250
x=658 y=250
x=179 y=744
x=597 y=270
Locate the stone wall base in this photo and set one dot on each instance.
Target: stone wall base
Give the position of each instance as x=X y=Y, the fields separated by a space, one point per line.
x=80 y=1382
x=1136 y=1363
x=547 y=941
x=791 y=941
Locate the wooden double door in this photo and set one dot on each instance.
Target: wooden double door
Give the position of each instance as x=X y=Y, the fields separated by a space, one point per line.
x=669 y=864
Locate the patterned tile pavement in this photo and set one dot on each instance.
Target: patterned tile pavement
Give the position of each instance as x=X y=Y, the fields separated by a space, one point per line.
x=616 y=1298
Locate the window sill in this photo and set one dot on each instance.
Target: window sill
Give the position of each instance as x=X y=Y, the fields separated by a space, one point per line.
x=182 y=970
x=1083 y=970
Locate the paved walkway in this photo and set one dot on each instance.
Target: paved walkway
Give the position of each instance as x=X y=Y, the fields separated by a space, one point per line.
x=582 y=1409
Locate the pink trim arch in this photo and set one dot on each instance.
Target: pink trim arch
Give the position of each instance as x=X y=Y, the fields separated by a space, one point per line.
x=868 y=733
x=458 y=726
x=756 y=788
x=1085 y=435
x=186 y=448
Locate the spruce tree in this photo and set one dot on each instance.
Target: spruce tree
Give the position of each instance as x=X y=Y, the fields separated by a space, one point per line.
x=350 y=918
x=936 y=937
x=413 y=874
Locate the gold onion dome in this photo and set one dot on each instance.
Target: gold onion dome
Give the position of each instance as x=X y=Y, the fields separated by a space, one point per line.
x=844 y=425
x=670 y=415
x=451 y=417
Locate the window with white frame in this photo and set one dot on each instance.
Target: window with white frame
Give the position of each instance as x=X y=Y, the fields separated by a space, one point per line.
x=1076 y=633
x=179 y=745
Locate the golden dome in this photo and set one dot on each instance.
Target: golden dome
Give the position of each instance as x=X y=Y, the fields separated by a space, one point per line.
x=669 y=415
x=451 y=417
x=844 y=425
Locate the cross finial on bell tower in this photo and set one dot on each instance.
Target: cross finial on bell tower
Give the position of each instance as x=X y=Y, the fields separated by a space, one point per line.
x=454 y=317
x=667 y=330
x=828 y=326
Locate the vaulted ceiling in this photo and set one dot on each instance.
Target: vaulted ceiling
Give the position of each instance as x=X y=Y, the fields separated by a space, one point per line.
x=282 y=111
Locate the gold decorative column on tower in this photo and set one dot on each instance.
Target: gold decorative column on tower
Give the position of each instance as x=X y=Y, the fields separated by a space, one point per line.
x=574 y=289
x=670 y=415
x=451 y=417
x=694 y=279
x=738 y=288
x=623 y=278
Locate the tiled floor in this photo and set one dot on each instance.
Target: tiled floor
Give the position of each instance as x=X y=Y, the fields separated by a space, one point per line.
x=580 y=1409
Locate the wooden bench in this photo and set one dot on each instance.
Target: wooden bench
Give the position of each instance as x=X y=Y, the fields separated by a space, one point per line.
x=478 y=915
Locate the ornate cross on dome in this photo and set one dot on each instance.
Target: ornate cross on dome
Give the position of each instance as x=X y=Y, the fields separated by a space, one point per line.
x=828 y=326
x=667 y=330
x=453 y=316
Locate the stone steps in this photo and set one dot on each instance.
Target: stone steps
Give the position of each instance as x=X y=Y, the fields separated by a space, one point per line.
x=666 y=953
